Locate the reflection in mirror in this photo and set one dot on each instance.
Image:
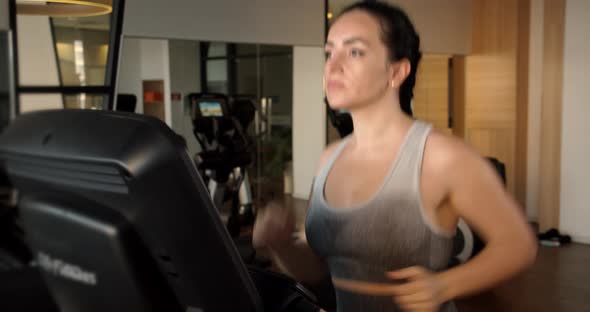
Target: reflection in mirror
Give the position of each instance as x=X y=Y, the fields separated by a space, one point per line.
x=39 y=101
x=42 y=101
x=67 y=51
x=162 y=73
x=82 y=46
x=36 y=56
x=84 y=101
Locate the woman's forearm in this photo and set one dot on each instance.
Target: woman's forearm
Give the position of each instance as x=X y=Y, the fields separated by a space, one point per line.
x=495 y=264
x=300 y=262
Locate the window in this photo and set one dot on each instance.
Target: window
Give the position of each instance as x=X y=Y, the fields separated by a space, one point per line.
x=66 y=62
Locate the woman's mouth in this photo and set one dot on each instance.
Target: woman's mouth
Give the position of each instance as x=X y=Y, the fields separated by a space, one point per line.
x=335 y=85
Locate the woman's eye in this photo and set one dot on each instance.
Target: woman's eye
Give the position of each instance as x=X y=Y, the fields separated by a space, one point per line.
x=327 y=54
x=356 y=53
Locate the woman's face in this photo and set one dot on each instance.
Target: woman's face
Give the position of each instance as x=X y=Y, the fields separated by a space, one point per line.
x=357 y=69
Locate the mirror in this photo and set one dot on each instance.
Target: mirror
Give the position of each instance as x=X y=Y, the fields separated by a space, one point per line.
x=163 y=73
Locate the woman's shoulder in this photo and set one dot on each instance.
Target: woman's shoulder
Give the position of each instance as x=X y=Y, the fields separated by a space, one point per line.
x=446 y=152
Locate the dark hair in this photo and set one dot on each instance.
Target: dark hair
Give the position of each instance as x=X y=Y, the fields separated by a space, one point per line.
x=400 y=38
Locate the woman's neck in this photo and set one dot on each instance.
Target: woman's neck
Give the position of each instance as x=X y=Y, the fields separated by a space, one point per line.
x=378 y=123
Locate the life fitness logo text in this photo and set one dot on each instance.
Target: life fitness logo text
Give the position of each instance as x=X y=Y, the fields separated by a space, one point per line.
x=66 y=270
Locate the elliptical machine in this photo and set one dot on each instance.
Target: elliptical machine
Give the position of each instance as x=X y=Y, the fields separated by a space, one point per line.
x=220 y=127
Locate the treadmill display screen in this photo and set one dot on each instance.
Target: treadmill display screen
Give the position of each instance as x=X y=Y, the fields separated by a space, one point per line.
x=211 y=109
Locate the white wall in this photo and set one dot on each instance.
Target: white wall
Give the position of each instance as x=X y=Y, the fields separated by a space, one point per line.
x=534 y=108
x=129 y=80
x=144 y=59
x=575 y=148
x=155 y=65
x=174 y=61
x=444 y=26
x=309 y=117
x=185 y=78
x=36 y=62
x=291 y=22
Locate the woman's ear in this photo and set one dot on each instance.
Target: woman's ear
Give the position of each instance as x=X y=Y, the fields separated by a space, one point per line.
x=400 y=71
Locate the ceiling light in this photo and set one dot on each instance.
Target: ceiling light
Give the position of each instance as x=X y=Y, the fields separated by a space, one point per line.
x=64 y=8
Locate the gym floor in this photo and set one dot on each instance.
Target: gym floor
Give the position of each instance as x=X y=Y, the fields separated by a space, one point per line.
x=558 y=281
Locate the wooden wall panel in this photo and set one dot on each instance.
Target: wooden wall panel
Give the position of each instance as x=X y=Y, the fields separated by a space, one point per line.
x=498 y=143
x=431 y=93
x=494 y=26
x=522 y=101
x=551 y=107
x=490 y=83
x=491 y=91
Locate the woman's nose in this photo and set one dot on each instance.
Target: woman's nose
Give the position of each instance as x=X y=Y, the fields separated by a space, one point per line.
x=334 y=63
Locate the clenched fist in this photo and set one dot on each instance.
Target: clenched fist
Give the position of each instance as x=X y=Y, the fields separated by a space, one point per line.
x=274 y=226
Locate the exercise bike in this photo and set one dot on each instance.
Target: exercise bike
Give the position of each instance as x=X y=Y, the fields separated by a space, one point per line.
x=219 y=126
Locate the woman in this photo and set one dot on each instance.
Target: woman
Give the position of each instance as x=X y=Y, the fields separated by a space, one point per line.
x=386 y=199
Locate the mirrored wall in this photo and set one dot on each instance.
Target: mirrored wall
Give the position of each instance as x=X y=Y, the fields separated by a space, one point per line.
x=163 y=75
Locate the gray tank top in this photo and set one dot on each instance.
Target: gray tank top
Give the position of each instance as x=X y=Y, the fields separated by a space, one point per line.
x=386 y=233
